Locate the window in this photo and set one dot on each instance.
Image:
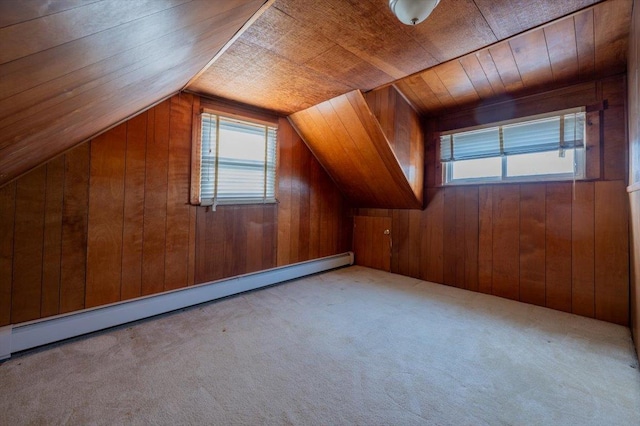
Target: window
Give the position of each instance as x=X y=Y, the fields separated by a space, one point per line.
x=237 y=161
x=543 y=147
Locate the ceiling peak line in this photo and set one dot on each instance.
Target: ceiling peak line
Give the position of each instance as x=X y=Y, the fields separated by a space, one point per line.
x=228 y=44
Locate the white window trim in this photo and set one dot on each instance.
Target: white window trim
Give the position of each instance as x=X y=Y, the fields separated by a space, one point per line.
x=580 y=160
x=216 y=201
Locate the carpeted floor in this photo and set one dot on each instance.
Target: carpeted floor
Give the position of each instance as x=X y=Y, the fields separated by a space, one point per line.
x=352 y=346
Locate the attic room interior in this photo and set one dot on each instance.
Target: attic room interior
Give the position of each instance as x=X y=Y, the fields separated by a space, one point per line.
x=319 y=212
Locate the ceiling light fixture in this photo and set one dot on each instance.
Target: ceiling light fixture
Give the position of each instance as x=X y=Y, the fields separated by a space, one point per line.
x=412 y=12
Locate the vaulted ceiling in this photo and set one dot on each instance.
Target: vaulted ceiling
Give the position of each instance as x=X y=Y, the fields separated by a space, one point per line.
x=70 y=69
x=301 y=53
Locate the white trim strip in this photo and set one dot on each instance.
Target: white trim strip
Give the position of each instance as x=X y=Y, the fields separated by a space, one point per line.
x=28 y=335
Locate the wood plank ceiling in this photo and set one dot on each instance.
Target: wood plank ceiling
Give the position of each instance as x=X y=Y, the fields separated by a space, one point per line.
x=70 y=69
x=589 y=44
x=301 y=53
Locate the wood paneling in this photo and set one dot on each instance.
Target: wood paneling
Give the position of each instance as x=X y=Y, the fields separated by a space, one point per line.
x=611 y=252
x=582 y=250
x=7 y=218
x=537 y=243
x=299 y=54
x=311 y=214
x=401 y=126
x=178 y=209
x=75 y=212
x=350 y=144
x=371 y=242
x=506 y=242
x=71 y=70
x=52 y=247
x=589 y=44
x=133 y=226
x=106 y=220
x=547 y=243
x=28 y=246
x=110 y=220
x=503 y=22
x=558 y=246
x=532 y=243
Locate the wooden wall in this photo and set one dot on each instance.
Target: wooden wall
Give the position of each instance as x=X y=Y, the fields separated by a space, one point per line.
x=345 y=136
x=633 y=88
x=110 y=220
x=549 y=244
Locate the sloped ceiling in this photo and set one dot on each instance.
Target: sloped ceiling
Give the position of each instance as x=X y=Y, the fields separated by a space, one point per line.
x=301 y=53
x=70 y=69
x=589 y=44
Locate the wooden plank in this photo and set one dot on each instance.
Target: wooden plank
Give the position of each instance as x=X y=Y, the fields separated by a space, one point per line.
x=216 y=241
x=155 y=199
x=201 y=258
x=502 y=56
x=179 y=171
x=286 y=143
x=106 y=204
x=7 y=217
x=414 y=254
x=366 y=131
x=32 y=9
x=269 y=235
x=532 y=58
x=191 y=264
x=585 y=43
x=611 y=252
x=532 y=243
x=314 y=209
x=491 y=71
x=611 y=23
x=506 y=241
x=435 y=235
x=113 y=98
x=476 y=74
x=294 y=231
x=614 y=129
x=75 y=213
x=449 y=228
x=27 y=246
x=400 y=227
x=135 y=170
x=582 y=250
x=563 y=52
x=460 y=237
x=558 y=246
x=304 y=226
x=254 y=240
x=485 y=239
x=27 y=38
x=457 y=82
x=438 y=88
x=471 y=220
x=52 y=249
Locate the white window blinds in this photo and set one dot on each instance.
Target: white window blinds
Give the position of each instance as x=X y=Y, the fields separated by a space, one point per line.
x=238 y=161
x=527 y=136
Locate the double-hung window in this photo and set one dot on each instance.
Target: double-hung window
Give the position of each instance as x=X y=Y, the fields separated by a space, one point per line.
x=237 y=161
x=542 y=147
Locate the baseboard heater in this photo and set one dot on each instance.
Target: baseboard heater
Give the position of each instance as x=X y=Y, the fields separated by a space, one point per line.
x=28 y=335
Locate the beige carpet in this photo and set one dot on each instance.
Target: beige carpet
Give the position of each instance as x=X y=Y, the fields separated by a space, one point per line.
x=352 y=346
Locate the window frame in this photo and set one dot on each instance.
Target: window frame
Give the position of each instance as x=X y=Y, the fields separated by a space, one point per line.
x=235 y=112
x=587 y=155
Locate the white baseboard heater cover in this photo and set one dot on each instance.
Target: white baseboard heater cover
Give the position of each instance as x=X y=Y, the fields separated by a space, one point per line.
x=28 y=335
